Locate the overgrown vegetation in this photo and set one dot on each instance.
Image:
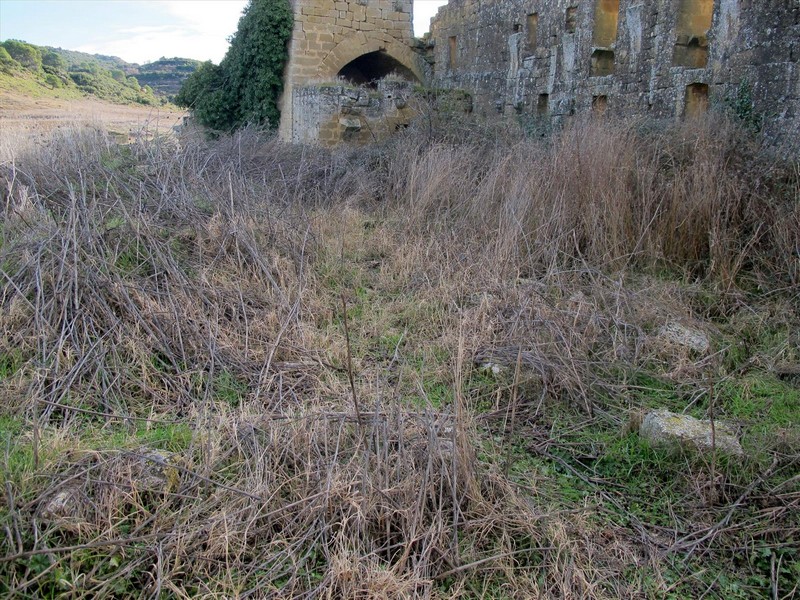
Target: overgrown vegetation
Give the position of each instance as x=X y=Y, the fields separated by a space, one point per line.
x=164 y=75
x=50 y=69
x=246 y=369
x=105 y=77
x=245 y=87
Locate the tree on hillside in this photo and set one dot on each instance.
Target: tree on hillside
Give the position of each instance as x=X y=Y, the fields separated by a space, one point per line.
x=7 y=64
x=27 y=55
x=245 y=87
x=52 y=62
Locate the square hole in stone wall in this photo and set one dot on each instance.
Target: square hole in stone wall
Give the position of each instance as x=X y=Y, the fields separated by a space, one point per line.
x=533 y=30
x=543 y=104
x=606 y=18
x=599 y=104
x=602 y=62
x=452 y=49
x=691 y=52
x=695 y=100
x=571 y=19
x=691 y=30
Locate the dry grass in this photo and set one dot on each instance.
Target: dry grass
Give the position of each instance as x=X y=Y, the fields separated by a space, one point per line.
x=188 y=411
x=615 y=196
x=28 y=121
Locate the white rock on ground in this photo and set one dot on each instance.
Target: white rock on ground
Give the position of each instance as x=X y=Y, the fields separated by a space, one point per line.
x=665 y=428
x=688 y=337
x=493 y=368
x=66 y=504
x=156 y=470
x=68 y=509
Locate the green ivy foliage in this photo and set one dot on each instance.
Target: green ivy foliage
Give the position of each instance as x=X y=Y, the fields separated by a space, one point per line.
x=245 y=87
x=210 y=97
x=742 y=106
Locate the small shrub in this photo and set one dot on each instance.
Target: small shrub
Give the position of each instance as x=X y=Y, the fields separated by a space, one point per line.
x=7 y=63
x=53 y=81
x=742 y=107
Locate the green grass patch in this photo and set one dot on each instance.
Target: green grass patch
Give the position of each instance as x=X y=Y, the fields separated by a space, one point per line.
x=16 y=449
x=10 y=362
x=761 y=400
x=228 y=389
x=27 y=84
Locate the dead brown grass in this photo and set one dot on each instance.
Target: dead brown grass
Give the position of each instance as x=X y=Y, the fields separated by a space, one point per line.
x=613 y=196
x=185 y=390
x=27 y=122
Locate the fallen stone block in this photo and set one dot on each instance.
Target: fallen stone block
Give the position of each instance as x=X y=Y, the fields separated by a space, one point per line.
x=66 y=504
x=687 y=337
x=493 y=368
x=665 y=428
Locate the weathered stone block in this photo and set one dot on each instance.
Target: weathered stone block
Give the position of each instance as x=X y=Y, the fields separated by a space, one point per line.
x=350 y=123
x=668 y=429
x=688 y=337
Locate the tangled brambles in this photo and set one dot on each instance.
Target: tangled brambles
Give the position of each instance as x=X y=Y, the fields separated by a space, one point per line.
x=246 y=369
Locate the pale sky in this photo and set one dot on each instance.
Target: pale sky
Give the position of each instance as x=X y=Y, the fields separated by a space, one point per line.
x=141 y=31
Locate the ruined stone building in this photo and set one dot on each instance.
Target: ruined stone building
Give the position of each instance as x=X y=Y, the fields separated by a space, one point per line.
x=547 y=59
x=338 y=45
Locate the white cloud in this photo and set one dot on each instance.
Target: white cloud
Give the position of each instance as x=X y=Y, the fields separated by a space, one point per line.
x=423 y=11
x=148 y=45
x=196 y=29
x=207 y=17
x=146 y=29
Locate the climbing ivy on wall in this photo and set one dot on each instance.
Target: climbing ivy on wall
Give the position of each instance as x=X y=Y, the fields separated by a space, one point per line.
x=245 y=87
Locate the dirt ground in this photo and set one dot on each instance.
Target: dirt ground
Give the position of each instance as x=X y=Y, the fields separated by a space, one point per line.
x=25 y=119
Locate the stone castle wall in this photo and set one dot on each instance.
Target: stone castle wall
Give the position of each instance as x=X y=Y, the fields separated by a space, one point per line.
x=664 y=58
x=337 y=44
x=542 y=59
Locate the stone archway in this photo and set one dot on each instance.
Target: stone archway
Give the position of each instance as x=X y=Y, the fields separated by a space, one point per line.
x=360 y=41
x=360 y=45
x=370 y=68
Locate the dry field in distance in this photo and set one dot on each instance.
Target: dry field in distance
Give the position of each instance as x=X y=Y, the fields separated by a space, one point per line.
x=27 y=120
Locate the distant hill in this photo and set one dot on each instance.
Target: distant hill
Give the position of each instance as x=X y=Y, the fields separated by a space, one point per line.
x=165 y=75
x=75 y=58
x=106 y=77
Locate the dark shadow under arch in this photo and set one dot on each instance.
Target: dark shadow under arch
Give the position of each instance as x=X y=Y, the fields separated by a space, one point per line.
x=368 y=68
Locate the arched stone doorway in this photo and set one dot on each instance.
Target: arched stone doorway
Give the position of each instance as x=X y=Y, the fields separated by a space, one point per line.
x=339 y=47
x=369 y=68
x=365 y=55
